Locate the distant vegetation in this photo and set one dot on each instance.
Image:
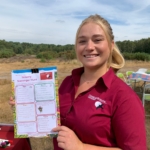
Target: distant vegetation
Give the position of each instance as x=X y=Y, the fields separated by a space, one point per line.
x=132 y=50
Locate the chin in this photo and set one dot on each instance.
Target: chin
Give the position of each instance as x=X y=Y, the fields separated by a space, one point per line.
x=95 y=66
x=91 y=66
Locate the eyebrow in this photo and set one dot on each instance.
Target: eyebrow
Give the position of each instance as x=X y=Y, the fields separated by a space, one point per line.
x=95 y=35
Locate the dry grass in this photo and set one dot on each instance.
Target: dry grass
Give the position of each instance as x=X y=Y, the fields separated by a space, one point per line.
x=64 y=69
x=6 y=116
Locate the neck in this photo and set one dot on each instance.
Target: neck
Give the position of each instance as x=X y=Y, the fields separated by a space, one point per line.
x=93 y=74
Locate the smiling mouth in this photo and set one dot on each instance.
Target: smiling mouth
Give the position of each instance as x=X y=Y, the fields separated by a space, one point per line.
x=90 y=56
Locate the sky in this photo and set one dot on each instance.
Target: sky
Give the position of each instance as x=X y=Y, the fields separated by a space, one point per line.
x=56 y=21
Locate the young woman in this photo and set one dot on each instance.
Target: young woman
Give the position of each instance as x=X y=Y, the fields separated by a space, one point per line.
x=98 y=110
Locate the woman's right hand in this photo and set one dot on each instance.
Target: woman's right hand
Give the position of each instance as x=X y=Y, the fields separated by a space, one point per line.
x=11 y=102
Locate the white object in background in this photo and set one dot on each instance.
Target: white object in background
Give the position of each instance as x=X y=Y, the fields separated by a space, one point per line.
x=141 y=70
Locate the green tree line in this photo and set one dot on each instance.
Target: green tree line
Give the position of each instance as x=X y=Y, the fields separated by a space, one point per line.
x=48 y=51
x=130 y=49
x=141 y=46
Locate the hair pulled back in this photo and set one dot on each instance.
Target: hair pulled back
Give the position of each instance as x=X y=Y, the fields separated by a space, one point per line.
x=116 y=60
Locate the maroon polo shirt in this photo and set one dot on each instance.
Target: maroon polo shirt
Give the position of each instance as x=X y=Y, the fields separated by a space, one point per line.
x=108 y=114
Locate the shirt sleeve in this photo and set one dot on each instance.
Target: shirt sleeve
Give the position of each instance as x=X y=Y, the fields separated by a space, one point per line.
x=128 y=122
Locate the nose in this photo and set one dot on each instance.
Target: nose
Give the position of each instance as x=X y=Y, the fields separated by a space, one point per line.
x=89 y=45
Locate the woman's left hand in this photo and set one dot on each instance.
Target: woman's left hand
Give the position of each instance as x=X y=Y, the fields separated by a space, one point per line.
x=67 y=139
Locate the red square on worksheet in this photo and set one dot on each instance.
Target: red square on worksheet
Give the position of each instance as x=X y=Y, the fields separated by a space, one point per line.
x=46 y=75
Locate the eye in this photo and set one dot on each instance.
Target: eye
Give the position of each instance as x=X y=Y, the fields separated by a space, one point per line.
x=97 y=40
x=82 y=41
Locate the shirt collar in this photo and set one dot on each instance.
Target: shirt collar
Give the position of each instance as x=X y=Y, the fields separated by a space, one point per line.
x=77 y=71
x=107 y=77
x=76 y=74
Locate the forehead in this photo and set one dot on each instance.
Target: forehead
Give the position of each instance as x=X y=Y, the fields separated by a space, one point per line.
x=90 y=29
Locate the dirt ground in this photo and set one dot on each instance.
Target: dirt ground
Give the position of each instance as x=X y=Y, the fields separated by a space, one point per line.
x=64 y=69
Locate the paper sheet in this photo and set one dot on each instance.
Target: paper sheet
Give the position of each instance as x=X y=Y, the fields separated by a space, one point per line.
x=37 y=105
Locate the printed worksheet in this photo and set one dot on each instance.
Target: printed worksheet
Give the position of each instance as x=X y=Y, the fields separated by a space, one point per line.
x=36 y=111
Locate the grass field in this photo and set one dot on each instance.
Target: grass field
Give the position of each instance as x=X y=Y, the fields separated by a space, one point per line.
x=64 y=69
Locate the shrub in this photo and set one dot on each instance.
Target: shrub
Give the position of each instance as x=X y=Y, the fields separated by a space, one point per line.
x=47 y=55
x=39 y=55
x=7 y=53
x=28 y=51
x=42 y=59
x=137 y=56
x=68 y=54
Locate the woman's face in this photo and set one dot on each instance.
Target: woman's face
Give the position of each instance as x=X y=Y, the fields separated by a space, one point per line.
x=92 y=47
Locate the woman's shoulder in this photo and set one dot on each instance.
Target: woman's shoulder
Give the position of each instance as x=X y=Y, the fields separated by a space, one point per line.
x=71 y=80
x=121 y=85
x=67 y=78
x=124 y=94
x=122 y=91
x=66 y=83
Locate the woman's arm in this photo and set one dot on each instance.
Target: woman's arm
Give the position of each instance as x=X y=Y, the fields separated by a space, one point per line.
x=68 y=140
x=128 y=122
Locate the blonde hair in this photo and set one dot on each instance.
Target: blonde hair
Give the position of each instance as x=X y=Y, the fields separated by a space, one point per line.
x=116 y=60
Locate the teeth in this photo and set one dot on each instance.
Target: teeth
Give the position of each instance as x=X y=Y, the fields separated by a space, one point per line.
x=89 y=56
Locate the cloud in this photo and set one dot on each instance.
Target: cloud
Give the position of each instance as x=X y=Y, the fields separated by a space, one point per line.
x=60 y=21
x=56 y=21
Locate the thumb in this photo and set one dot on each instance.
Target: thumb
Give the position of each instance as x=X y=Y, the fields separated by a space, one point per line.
x=56 y=129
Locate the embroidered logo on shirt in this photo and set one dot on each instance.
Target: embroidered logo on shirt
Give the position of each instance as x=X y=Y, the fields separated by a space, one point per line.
x=98 y=105
x=96 y=98
x=99 y=102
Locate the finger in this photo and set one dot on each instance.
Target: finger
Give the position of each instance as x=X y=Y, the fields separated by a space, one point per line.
x=61 y=145
x=11 y=103
x=64 y=128
x=60 y=128
x=57 y=129
x=62 y=133
x=11 y=98
x=61 y=139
